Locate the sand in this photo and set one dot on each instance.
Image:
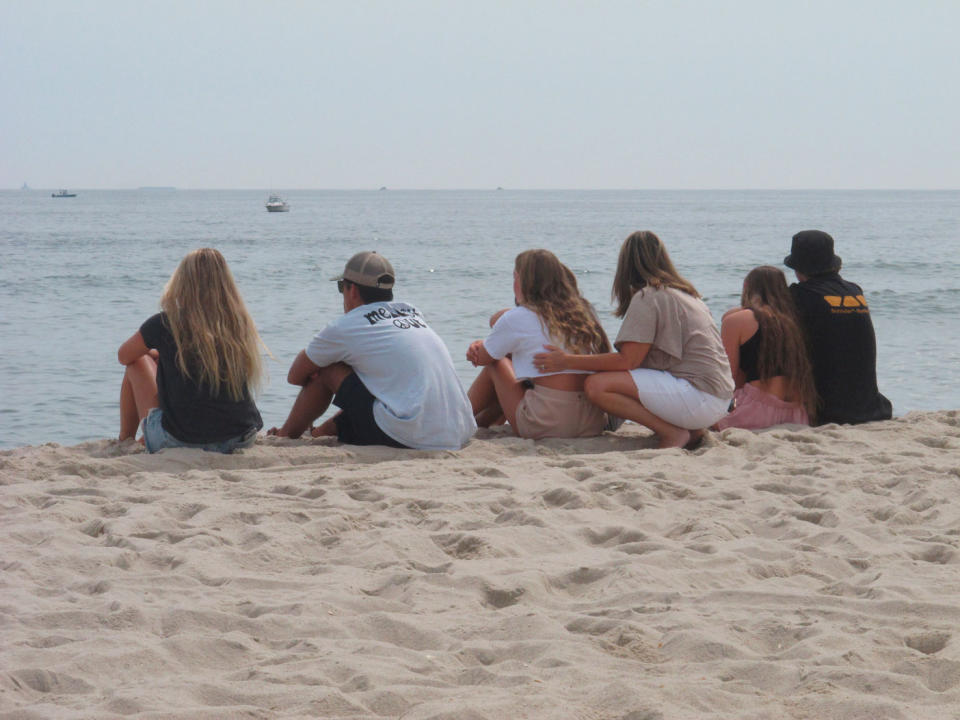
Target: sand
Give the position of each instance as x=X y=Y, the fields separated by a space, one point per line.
x=793 y=573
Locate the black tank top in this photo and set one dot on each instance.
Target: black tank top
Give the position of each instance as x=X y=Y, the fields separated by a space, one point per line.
x=748 y=357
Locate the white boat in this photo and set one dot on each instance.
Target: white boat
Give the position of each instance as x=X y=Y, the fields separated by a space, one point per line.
x=63 y=193
x=275 y=203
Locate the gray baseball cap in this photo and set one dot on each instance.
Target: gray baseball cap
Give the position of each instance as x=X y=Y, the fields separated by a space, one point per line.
x=369 y=269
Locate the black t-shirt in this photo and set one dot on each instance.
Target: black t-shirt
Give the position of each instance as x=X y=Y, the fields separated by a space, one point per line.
x=843 y=349
x=191 y=413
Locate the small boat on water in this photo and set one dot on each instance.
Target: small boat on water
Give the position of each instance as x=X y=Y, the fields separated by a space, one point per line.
x=275 y=203
x=63 y=193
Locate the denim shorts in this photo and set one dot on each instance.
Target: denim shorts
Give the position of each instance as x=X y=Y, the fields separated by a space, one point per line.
x=156 y=438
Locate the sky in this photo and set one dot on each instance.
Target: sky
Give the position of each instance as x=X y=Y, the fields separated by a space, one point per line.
x=480 y=94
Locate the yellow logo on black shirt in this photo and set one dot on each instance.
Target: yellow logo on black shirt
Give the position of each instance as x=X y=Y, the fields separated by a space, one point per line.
x=847 y=303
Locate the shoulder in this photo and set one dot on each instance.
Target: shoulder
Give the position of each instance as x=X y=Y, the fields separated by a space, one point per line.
x=155 y=327
x=850 y=287
x=521 y=314
x=739 y=317
x=668 y=299
x=517 y=317
x=647 y=297
x=742 y=323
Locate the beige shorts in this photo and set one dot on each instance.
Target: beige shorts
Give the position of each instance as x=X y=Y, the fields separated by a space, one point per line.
x=544 y=412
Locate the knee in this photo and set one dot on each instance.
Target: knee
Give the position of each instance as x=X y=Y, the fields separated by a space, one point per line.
x=592 y=386
x=331 y=376
x=142 y=364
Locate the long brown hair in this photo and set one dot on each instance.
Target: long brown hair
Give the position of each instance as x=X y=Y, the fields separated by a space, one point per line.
x=550 y=290
x=783 y=348
x=217 y=343
x=644 y=262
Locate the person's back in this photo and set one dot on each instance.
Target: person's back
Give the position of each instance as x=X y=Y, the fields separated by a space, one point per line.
x=843 y=346
x=407 y=367
x=380 y=362
x=191 y=368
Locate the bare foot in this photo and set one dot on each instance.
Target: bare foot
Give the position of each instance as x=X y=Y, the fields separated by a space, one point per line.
x=325 y=429
x=696 y=439
x=276 y=432
x=678 y=439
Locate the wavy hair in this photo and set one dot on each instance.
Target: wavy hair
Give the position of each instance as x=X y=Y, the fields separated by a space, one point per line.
x=783 y=348
x=644 y=262
x=217 y=342
x=550 y=290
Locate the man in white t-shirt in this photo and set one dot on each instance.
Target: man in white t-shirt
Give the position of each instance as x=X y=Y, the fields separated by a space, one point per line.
x=381 y=364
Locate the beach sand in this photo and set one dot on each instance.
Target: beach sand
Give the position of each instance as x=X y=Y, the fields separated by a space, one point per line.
x=794 y=573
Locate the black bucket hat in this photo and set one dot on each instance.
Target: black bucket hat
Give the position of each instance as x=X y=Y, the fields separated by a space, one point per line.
x=812 y=253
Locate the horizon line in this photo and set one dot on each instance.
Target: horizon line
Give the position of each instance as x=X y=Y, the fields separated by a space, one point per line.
x=169 y=188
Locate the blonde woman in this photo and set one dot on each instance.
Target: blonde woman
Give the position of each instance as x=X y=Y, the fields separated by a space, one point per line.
x=549 y=310
x=192 y=368
x=669 y=372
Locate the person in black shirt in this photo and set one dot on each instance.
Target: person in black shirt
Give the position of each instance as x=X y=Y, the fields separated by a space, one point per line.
x=840 y=336
x=191 y=369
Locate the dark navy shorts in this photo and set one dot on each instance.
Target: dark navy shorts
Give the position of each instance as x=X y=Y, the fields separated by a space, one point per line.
x=356 y=424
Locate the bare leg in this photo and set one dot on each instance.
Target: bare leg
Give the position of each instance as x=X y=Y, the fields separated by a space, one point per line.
x=483 y=400
x=313 y=400
x=138 y=394
x=616 y=393
x=509 y=391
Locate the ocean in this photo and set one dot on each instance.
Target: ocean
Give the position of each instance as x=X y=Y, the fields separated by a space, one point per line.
x=79 y=275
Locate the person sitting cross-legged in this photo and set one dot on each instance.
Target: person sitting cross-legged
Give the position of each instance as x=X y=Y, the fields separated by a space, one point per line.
x=380 y=362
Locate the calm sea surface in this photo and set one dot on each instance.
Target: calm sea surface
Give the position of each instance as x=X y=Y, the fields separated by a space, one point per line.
x=79 y=275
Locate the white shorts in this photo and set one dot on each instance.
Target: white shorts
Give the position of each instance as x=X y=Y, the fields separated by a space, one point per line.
x=677 y=401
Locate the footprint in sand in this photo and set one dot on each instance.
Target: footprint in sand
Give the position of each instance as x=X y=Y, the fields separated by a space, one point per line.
x=928 y=643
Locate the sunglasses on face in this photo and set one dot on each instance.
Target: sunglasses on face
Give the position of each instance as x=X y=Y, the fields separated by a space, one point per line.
x=340 y=286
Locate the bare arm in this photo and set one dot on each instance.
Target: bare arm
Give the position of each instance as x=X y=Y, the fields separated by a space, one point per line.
x=631 y=355
x=301 y=370
x=737 y=327
x=132 y=349
x=478 y=355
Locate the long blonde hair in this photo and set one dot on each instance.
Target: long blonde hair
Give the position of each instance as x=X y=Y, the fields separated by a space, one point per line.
x=644 y=262
x=550 y=290
x=217 y=343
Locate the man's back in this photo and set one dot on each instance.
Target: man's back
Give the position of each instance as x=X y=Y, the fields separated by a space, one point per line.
x=843 y=349
x=407 y=368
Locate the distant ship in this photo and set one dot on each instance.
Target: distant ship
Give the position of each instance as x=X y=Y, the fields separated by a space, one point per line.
x=25 y=187
x=275 y=203
x=63 y=193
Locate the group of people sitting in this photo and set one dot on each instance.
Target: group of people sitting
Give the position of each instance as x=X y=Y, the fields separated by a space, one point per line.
x=803 y=354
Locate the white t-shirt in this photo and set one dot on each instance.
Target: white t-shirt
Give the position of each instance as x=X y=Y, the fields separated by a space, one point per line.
x=406 y=367
x=519 y=333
